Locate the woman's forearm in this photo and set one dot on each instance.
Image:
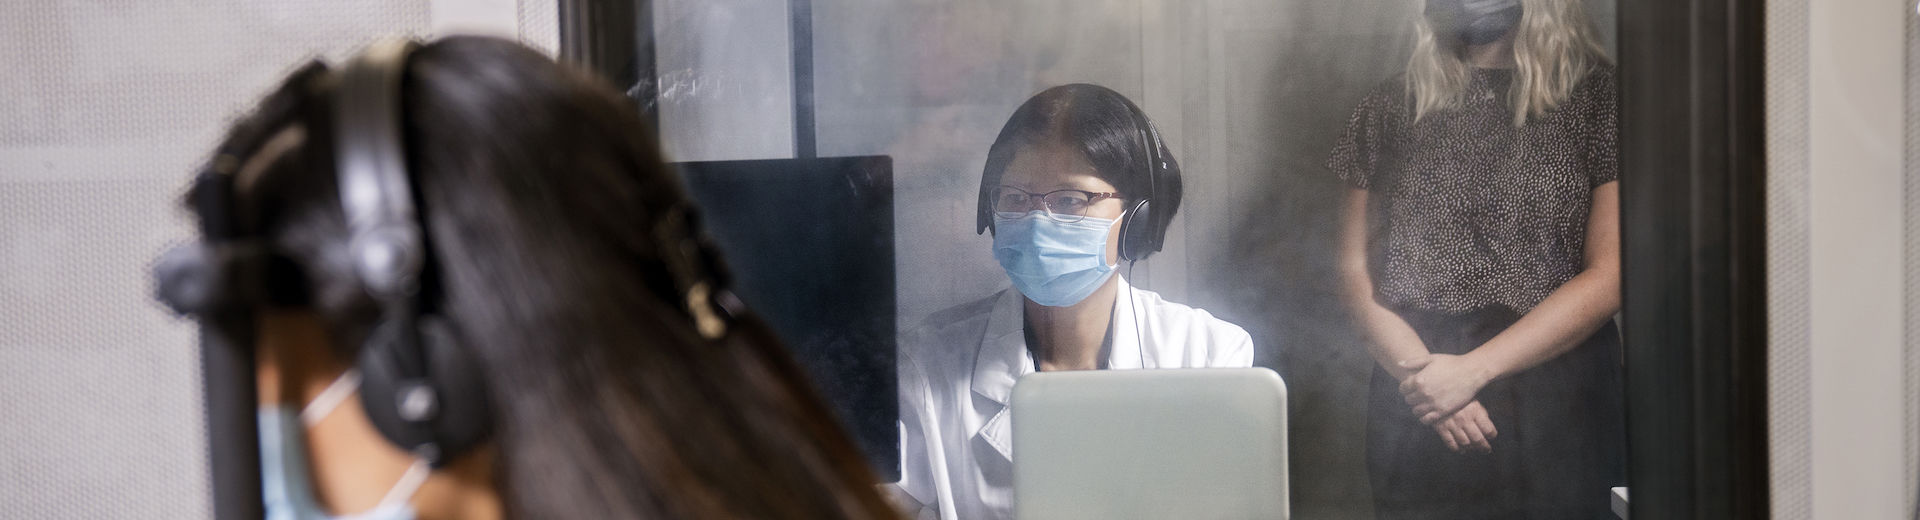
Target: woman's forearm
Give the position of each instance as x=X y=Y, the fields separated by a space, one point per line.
x=1565 y=319
x=1389 y=339
x=1571 y=313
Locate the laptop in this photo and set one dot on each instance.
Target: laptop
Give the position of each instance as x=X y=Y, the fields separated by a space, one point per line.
x=1163 y=443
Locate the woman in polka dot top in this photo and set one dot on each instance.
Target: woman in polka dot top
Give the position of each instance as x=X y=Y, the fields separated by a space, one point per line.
x=1480 y=255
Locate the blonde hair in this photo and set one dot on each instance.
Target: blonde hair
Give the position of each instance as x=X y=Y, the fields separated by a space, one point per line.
x=1554 y=47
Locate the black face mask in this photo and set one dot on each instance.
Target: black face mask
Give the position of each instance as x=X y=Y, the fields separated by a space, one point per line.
x=1475 y=22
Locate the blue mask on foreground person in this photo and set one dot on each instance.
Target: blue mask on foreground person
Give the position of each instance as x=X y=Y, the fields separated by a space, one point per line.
x=1053 y=263
x=285 y=486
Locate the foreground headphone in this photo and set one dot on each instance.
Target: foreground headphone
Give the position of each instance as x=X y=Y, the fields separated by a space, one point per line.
x=419 y=387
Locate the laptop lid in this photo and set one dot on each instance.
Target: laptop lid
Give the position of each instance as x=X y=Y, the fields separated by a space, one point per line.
x=1165 y=443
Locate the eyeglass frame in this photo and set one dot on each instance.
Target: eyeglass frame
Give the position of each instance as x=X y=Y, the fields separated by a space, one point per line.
x=1093 y=197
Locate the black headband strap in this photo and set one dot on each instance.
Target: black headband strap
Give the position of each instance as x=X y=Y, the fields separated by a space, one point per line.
x=375 y=192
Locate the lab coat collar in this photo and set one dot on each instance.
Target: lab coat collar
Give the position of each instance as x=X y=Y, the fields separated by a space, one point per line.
x=1004 y=358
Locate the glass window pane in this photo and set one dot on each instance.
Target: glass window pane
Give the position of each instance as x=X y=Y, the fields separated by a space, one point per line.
x=1406 y=209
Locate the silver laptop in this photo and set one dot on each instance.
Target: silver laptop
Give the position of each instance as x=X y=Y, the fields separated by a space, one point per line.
x=1165 y=443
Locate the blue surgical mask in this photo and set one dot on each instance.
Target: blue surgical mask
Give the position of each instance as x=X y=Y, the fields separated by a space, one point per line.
x=1053 y=263
x=285 y=488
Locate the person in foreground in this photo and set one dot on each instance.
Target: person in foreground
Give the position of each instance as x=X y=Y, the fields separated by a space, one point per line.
x=474 y=291
x=1077 y=181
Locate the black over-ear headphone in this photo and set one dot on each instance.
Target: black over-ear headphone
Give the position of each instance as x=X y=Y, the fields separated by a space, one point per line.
x=420 y=389
x=418 y=385
x=1141 y=231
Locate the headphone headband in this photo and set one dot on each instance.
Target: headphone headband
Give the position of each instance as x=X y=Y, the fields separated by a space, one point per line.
x=370 y=155
x=1150 y=141
x=420 y=387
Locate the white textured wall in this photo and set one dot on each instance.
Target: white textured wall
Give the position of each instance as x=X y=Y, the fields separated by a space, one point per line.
x=1844 y=272
x=104 y=110
x=1856 y=110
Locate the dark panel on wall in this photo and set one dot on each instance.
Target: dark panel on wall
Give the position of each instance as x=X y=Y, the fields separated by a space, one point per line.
x=809 y=244
x=615 y=40
x=1692 y=205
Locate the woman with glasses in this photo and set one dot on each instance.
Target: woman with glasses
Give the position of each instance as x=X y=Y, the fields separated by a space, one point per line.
x=1077 y=182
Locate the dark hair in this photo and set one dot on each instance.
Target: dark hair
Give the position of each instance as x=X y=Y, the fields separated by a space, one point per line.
x=539 y=189
x=1106 y=128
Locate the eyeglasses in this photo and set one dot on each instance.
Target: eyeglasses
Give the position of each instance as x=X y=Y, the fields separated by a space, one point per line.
x=1062 y=205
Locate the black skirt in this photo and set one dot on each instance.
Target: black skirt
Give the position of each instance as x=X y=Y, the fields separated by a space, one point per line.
x=1561 y=444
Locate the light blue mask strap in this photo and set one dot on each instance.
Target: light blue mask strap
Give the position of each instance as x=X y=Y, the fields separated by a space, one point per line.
x=401 y=492
x=290 y=449
x=337 y=392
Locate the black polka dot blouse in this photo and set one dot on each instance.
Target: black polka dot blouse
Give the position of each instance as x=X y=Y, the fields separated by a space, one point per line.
x=1467 y=211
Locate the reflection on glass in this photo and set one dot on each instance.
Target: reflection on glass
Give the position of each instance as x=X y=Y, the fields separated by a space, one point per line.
x=1479 y=254
x=1077 y=182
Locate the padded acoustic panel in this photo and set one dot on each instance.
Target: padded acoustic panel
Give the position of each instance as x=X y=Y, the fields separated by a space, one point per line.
x=1789 y=379
x=1911 y=203
x=540 y=25
x=98 y=389
x=104 y=110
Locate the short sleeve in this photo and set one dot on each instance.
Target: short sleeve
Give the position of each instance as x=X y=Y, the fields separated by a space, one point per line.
x=1240 y=351
x=1356 y=154
x=1603 y=128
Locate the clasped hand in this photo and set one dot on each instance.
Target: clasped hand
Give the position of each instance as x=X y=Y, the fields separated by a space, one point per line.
x=1441 y=391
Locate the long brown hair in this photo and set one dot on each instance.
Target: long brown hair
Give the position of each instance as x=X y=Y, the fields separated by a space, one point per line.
x=539 y=189
x=1554 y=47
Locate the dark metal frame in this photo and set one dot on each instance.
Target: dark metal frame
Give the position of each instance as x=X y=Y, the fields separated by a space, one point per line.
x=233 y=432
x=615 y=40
x=800 y=20
x=1693 y=223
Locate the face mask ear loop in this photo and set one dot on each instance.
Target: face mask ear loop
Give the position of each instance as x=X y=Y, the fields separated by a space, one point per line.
x=337 y=392
x=409 y=483
x=1133 y=307
x=330 y=399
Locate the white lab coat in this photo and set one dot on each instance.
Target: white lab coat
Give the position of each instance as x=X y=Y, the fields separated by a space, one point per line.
x=957 y=371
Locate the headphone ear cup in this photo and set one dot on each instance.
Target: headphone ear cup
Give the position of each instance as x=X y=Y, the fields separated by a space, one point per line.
x=200 y=279
x=187 y=279
x=1136 y=232
x=466 y=412
x=381 y=376
x=437 y=416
